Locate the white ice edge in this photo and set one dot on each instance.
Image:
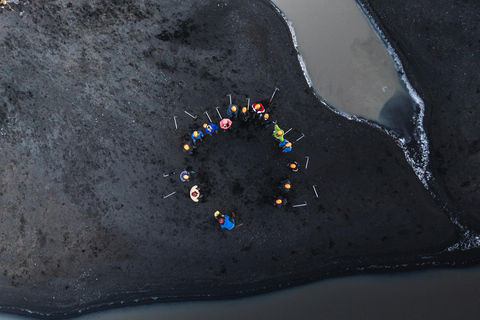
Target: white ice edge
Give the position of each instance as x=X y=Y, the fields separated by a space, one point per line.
x=419 y=163
x=469 y=239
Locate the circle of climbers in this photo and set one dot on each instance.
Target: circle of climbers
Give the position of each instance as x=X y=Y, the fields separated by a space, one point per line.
x=254 y=111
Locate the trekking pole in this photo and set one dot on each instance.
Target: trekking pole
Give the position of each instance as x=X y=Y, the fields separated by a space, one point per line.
x=230 y=98
x=306 y=163
x=248 y=102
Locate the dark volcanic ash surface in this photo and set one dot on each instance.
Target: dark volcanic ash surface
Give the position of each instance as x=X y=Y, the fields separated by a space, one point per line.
x=439 y=45
x=88 y=94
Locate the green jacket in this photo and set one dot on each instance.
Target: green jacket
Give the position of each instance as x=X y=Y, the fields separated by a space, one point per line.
x=279 y=137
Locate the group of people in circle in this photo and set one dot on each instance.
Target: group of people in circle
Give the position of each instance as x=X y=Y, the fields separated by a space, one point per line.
x=256 y=113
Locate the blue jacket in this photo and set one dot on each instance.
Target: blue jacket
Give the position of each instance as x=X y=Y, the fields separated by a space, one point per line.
x=213 y=128
x=284 y=142
x=227 y=224
x=230 y=112
x=287 y=149
x=198 y=137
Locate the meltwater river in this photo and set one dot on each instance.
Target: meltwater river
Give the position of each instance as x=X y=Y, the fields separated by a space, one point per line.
x=349 y=68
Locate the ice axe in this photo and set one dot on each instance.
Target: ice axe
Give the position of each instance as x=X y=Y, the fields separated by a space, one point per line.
x=299 y=138
x=287 y=131
x=208 y=116
x=300 y=205
x=168 y=195
x=276 y=89
x=219 y=113
x=194 y=117
x=315 y=190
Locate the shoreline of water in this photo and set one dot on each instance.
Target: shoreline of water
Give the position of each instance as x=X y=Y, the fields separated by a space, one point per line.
x=417 y=148
x=451 y=285
x=419 y=158
x=29 y=311
x=418 y=165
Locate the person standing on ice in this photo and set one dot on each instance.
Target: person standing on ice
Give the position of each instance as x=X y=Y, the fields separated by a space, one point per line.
x=187 y=148
x=225 y=221
x=196 y=135
x=258 y=110
x=185 y=176
x=210 y=128
x=280 y=201
x=265 y=120
x=293 y=166
x=278 y=133
x=244 y=114
x=225 y=123
x=287 y=147
x=232 y=111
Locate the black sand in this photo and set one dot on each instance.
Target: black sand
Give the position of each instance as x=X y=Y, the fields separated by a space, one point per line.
x=89 y=90
x=439 y=46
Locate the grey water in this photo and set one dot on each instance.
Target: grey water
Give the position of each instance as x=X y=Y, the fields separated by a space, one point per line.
x=348 y=63
x=423 y=295
x=436 y=294
x=350 y=68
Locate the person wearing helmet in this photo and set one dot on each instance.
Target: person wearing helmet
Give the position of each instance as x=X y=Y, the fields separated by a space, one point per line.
x=286 y=185
x=195 y=193
x=196 y=135
x=258 y=109
x=283 y=143
x=244 y=114
x=225 y=221
x=185 y=176
x=232 y=111
x=280 y=201
x=293 y=166
x=187 y=148
x=287 y=147
x=278 y=133
x=265 y=120
x=210 y=128
x=225 y=123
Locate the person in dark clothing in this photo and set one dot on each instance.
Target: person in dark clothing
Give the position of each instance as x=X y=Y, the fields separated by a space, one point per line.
x=265 y=120
x=232 y=111
x=293 y=166
x=286 y=185
x=280 y=201
x=244 y=114
x=188 y=148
